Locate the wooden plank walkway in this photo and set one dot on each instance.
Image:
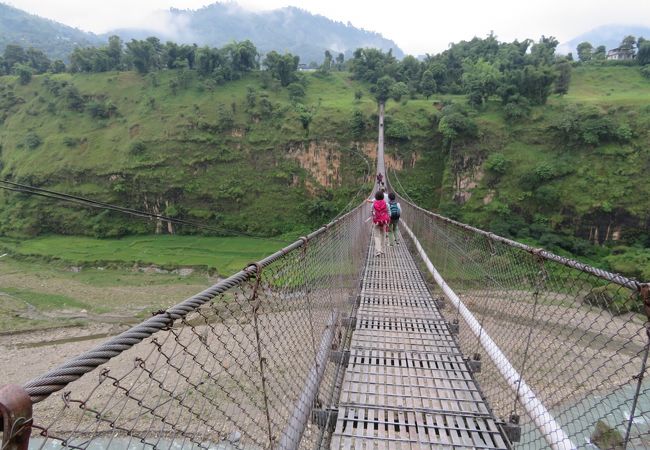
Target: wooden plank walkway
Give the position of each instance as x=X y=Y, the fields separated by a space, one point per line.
x=407 y=385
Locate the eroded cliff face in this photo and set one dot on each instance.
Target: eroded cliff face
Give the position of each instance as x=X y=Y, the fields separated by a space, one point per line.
x=322 y=159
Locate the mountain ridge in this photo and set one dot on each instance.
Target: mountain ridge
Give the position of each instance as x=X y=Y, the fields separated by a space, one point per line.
x=288 y=29
x=609 y=35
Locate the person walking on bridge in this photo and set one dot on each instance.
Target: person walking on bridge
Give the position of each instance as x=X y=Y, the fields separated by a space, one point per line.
x=380 y=220
x=395 y=211
x=380 y=179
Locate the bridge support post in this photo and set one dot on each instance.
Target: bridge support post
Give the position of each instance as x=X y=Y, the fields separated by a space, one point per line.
x=302 y=409
x=16 y=412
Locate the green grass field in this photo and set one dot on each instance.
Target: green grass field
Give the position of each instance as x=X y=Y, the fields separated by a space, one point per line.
x=225 y=254
x=42 y=286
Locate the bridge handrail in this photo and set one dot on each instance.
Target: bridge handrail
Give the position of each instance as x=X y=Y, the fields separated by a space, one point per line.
x=578 y=335
x=302 y=292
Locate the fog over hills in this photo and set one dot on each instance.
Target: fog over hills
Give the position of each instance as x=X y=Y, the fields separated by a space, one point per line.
x=608 y=35
x=287 y=29
x=54 y=38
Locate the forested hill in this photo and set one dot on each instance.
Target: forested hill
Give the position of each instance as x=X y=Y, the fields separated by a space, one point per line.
x=504 y=136
x=53 y=38
x=287 y=29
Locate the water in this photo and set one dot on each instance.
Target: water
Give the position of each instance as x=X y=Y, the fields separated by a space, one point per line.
x=579 y=419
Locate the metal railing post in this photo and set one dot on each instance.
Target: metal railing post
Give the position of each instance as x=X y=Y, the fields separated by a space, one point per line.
x=16 y=411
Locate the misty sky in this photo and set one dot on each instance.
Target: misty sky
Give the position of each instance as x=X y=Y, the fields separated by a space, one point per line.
x=417 y=26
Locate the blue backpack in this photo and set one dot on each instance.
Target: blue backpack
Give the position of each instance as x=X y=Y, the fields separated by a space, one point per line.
x=394 y=210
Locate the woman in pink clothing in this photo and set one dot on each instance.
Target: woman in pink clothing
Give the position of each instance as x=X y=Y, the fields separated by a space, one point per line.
x=380 y=220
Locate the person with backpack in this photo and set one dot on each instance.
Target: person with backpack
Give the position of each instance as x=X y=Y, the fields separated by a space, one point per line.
x=380 y=220
x=395 y=211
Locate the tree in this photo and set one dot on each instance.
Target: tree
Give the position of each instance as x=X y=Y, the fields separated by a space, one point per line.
x=600 y=54
x=628 y=43
x=427 y=84
x=398 y=90
x=38 y=60
x=585 y=51
x=370 y=64
x=282 y=67
x=480 y=81
x=340 y=61
x=327 y=62
x=145 y=54
x=543 y=51
x=115 y=52
x=563 y=77
x=14 y=54
x=58 y=66
x=643 y=55
x=455 y=125
x=382 y=88
x=243 y=56
x=24 y=73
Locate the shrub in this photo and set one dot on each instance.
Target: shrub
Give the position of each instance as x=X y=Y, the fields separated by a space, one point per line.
x=398 y=129
x=497 y=163
x=24 y=73
x=296 y=91
x=32 y=140
x=624 y=132
x=645 y=71
x=70 y=141
x=581 y=125
x=517 y=108
x=137 y=147
x=358 y=124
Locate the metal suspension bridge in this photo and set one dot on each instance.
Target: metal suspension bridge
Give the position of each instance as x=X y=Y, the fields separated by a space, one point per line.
x=454 y=339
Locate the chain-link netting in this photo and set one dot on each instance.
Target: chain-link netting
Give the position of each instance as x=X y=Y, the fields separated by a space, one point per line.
x=577 y=335
x=240 y=365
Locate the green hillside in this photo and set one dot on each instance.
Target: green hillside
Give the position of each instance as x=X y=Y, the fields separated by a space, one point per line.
x=198 y=151
x=243 y=156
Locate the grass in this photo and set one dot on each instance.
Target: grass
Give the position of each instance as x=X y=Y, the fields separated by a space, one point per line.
x=616 y=85
x=225 y=254
x=43 y=301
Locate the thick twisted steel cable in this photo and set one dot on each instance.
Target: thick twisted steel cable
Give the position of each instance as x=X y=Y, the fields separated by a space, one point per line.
x=43 y=386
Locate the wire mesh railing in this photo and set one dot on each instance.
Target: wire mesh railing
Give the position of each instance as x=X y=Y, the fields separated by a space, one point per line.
x=577 y=336
x=239 y=365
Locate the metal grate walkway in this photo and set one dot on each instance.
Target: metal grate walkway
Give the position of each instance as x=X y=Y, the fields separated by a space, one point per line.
x=407 y=385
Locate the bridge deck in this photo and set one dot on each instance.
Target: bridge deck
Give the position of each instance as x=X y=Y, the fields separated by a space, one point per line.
x=406 y=385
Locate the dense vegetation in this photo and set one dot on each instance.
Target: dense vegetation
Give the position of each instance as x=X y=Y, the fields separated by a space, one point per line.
x=506 y=136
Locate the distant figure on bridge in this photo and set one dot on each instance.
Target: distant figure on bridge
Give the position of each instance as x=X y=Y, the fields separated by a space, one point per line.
x=395 y=210
x=380 y=219
x=380 y=180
